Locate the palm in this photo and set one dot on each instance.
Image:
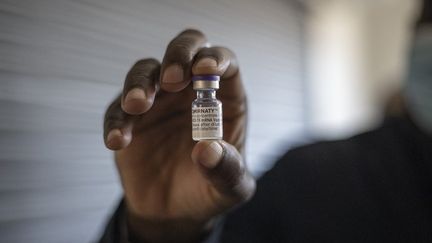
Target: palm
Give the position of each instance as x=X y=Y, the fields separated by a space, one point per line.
x=162 y=180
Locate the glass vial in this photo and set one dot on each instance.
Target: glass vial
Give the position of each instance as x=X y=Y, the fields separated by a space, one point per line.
x=206 y=109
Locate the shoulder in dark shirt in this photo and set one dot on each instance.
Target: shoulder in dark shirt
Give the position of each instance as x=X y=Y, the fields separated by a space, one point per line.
x=373 y=187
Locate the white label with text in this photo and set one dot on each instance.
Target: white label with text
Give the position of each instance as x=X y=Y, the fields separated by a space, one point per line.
x=206 y=123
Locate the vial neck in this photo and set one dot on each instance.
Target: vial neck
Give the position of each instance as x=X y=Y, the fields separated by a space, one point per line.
x=206 y=94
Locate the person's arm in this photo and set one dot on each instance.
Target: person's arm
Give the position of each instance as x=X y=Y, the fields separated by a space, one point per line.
x=174 y=188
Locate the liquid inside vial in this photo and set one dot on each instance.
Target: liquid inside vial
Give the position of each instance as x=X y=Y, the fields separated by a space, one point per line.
x=206 y=115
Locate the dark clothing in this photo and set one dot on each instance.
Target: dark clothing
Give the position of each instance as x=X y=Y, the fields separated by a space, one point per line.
x=374 y=187
x=116 y=229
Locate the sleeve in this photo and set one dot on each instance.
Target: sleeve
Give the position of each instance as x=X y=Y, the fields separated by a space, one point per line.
x=257 y=220
x=116 y=230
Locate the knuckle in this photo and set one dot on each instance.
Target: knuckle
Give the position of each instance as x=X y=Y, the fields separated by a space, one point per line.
x=143 y=70
x=114 y=112
x=245 y=192
x=184 y=47
x=208 y=52
x=181 y=50
x=114 y=120
x=112 y=117
x=112 y=107
x=232 y=167
x=226 y=52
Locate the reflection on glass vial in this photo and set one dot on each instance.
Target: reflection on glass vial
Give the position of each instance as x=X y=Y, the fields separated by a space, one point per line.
x=206 y=109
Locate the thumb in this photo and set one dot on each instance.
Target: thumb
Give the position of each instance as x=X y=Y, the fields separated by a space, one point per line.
x=225 y=169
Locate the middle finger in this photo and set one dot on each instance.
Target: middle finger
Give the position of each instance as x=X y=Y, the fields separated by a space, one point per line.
x=177 y=62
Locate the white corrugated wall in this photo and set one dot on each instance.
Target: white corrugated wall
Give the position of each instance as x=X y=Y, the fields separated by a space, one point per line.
x=61 y=62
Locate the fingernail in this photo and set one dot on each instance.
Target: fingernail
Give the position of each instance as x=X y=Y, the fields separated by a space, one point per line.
x=112 y=134
x=135 y=94
x=173 y=74
x=211 y=156
x=206 y=62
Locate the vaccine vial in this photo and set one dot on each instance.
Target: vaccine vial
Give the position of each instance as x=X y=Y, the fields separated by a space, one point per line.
x=206 y=109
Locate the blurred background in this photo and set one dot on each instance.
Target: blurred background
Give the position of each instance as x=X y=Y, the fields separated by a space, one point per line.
x=313 y=70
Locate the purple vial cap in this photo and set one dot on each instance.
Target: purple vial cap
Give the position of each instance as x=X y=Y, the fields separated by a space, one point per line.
x=205 y=78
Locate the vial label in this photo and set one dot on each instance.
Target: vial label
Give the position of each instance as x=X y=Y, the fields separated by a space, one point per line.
x=207 y=123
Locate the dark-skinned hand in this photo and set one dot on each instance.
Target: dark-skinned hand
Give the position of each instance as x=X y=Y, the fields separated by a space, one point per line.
x=174 y=187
